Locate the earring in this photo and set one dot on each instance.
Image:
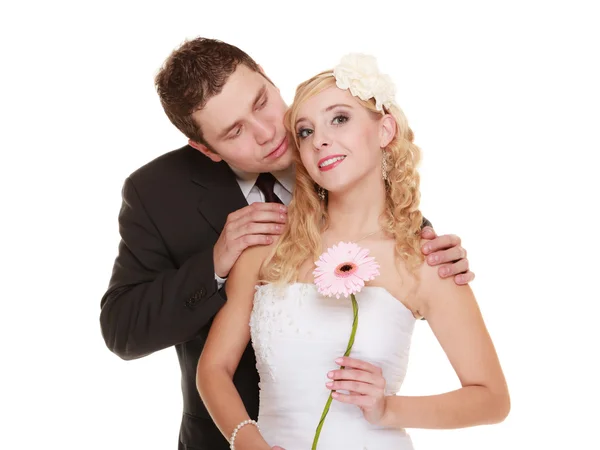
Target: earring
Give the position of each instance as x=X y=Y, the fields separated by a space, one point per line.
x=321 y=193
x=384 y=166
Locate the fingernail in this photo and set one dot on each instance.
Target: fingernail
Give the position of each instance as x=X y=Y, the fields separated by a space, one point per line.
x=282 y=208
x=460 y=279
x=339 y=360
x=282 y=216
x=329 y=384
x=427 y=249
x=432 y=258
x=445 y=272
x=330 y=375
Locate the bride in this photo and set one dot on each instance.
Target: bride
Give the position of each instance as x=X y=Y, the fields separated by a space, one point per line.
x=357 y=192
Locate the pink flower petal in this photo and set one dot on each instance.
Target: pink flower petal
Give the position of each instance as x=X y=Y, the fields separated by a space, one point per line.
x=329 y=283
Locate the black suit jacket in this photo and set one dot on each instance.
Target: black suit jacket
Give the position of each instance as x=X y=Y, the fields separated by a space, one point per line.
x=162 y=291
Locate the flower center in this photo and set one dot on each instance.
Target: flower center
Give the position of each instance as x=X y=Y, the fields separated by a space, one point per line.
x=345 y=269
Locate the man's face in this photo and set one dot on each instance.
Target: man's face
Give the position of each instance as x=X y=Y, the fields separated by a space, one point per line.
x=244 y=124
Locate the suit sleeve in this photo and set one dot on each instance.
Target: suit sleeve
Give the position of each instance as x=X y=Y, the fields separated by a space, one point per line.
x=150 y=304
x=426 y=223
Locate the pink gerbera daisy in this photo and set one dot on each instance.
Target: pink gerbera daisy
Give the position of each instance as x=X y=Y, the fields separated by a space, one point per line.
x=343 y=270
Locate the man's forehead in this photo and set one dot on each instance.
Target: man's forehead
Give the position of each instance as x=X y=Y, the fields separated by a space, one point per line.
x=241 y=85
x=236 y=97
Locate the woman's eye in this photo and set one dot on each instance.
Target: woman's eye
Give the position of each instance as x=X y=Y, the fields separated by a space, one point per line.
x=338 y=120
x=304 y=133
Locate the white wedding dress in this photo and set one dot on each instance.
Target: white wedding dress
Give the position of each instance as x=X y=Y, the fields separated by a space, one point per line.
x=297 y=334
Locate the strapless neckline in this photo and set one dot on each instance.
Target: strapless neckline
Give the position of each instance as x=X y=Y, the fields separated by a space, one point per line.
x=388 y=294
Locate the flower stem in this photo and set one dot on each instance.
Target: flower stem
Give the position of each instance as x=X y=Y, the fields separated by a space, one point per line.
x=347 y=353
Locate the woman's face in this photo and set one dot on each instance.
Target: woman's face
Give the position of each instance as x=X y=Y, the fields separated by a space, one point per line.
x=340 y=141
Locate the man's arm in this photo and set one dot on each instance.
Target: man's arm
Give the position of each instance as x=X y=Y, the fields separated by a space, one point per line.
x=150 y=304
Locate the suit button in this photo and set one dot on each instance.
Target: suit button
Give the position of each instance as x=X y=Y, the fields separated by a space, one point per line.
x=195 y=298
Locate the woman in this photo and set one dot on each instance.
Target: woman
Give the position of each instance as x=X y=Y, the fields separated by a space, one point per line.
x=356 y=181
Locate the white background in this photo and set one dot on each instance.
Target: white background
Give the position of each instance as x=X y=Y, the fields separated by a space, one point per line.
x=503 y=98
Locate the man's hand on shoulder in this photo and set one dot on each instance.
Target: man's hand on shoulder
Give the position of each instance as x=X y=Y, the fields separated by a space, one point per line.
x=256 y=224
x=447 y=253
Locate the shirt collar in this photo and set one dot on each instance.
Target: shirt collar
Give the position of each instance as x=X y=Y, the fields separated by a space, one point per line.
x=287 y=178
x=246 y=180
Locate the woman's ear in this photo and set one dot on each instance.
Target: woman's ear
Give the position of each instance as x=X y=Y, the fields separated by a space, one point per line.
x=387 y=130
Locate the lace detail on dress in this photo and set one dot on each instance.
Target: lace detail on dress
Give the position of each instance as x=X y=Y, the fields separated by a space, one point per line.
x=269 y=318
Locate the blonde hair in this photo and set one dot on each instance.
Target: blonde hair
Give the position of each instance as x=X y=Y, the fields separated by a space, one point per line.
x=307 y=213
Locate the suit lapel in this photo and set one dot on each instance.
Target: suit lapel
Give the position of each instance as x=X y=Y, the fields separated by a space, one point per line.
x=220 y=194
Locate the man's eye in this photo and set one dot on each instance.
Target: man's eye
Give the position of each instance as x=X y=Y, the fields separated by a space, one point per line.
x=237 y=132
x=304 y=133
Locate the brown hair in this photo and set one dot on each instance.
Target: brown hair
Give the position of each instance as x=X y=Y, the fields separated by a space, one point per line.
x=192 y=75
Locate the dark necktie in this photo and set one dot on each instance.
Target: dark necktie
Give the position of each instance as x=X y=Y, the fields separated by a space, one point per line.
x=265 y=183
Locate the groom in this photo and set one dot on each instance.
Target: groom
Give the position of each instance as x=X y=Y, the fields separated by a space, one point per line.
x=187 y=216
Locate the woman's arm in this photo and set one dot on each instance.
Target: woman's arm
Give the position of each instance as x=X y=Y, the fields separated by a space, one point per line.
x=454 y=316
x=229 y=335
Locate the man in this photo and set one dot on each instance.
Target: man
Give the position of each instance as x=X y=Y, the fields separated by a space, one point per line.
x=187 y=216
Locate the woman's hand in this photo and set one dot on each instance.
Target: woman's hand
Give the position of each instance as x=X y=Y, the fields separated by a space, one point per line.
x=365 y=385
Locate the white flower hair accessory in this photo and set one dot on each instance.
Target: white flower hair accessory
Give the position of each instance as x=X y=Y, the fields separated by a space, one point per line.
x=359 y=73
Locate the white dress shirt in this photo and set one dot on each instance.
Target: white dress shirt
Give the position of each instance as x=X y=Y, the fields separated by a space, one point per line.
x=284 y=186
